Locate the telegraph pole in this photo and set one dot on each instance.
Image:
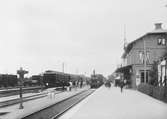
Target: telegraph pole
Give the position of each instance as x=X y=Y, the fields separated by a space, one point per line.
x=63 y=67
x=145 y=61
x=125 y=40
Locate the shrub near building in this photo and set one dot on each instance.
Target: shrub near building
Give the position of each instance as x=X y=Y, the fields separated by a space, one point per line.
x=157 y=86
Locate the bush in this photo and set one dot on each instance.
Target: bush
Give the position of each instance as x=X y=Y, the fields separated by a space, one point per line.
x=154 y=74
x=146 y=88
x=158 y=92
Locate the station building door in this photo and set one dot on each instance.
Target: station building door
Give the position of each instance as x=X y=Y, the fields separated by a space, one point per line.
x=142 y=73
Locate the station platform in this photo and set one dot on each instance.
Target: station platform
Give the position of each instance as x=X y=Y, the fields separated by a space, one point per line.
x=110 y=103
x=13 y=89
x=25 y=95
x=16 y=96
x=13 y=111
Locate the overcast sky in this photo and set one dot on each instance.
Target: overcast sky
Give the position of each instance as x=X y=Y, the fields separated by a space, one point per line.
x=84 y=34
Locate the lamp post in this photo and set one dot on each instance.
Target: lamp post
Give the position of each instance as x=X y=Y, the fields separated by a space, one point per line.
x=21 y=73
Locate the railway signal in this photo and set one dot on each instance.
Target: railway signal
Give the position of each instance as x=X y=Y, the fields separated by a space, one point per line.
x=21 y=74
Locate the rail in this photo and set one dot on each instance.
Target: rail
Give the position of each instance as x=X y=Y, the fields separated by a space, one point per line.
x=54 y=111
x=25 y=99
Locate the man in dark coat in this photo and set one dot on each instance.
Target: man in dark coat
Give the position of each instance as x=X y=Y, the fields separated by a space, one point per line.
x=121 y=86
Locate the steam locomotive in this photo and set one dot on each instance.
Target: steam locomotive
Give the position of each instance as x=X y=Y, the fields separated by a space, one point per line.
x=96 y=81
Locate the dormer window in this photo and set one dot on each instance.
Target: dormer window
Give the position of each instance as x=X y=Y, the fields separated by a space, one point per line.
x=161 y=41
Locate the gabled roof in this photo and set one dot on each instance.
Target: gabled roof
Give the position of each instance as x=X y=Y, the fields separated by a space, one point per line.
x=158 y=31
x=130 y=45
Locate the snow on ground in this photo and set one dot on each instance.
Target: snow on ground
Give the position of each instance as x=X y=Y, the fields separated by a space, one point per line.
x=112 y=104
x=35 y=105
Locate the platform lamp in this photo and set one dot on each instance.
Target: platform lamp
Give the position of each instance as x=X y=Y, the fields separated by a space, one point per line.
x=21 y=74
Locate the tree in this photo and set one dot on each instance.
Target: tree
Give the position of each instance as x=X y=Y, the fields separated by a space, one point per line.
x=154 y=74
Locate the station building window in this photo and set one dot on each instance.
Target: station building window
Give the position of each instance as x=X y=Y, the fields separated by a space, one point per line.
x=161 y=41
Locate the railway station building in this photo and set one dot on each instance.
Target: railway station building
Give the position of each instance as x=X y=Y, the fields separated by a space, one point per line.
x=139 y=55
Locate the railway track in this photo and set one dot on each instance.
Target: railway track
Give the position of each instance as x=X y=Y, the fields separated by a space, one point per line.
x=25 y=99
x=11 y=92
x=56 y=110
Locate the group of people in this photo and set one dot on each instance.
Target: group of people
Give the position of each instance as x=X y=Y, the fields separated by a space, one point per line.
x=108 y=84
x=75 y=85
x=121 y=84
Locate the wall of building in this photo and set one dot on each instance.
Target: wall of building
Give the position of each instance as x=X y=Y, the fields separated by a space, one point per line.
x=154 y=50
x=151 y=43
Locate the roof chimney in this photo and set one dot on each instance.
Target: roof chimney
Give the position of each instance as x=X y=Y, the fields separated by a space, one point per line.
x=158 y=26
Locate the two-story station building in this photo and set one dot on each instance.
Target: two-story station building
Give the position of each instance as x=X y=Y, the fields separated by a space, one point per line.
x=139 y=55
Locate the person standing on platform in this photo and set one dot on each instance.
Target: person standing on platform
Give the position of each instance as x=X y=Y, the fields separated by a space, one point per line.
x=81 y=83
x=121 y=86
x=70 y=87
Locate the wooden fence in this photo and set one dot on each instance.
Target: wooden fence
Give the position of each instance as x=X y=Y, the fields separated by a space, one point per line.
x=158 y=92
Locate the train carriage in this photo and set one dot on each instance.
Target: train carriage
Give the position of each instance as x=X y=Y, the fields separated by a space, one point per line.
x=55 y=79
x=8 y=80
x=60 y=79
